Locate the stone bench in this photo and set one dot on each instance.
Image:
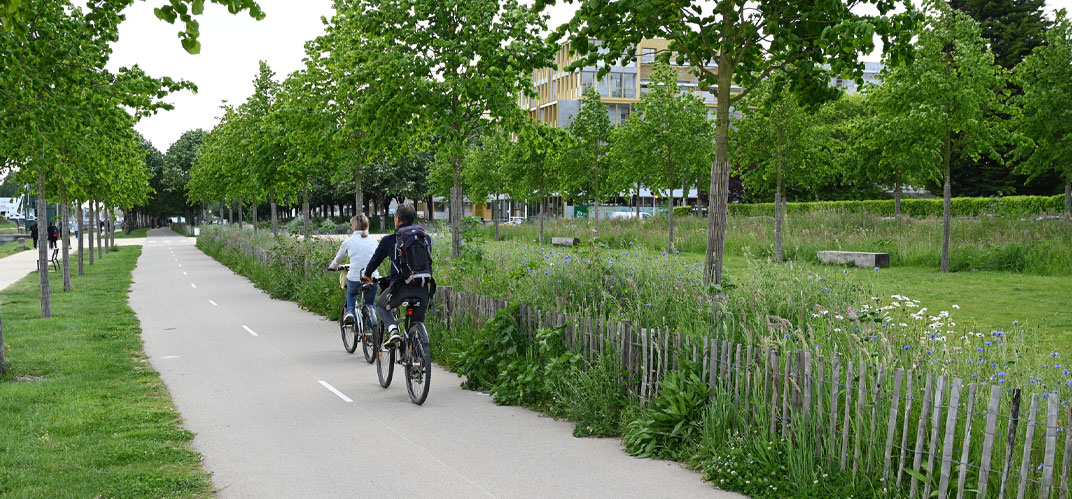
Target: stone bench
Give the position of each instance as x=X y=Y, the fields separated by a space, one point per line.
x=858 y=258
x=565 y=241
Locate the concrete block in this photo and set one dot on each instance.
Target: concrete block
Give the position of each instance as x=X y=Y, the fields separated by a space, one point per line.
x=565 y=241
x=858 y=258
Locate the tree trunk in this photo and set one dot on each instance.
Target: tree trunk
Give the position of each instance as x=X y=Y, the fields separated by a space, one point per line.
x=543 y=211
x=253 y=214
x=275 y=216
x=670 y=205
x=65 y=234
x=305 y=209
x=897 y=197
x=638 y=203
x=97 y=229
x=946 y=203
x=111 y=231
x=81 y=238
x=106 y=233
x=495 y=209
x=359 y=194
x=779 y=214
x=42 y=244
x=386 y=205
x=1068 y=198
x=456 y=209
x=240 y=210
x=91 y=228
x=431 y=208
x=230 y=212
x=720 y=169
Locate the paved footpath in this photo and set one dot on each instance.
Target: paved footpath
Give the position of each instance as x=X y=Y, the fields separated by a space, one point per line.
x=279 y=409
x=16 y=266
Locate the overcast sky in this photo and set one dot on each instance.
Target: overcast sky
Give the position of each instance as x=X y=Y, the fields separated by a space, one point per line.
x=231 y=45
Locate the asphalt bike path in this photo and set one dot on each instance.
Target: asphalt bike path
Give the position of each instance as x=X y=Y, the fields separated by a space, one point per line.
x=279 y=409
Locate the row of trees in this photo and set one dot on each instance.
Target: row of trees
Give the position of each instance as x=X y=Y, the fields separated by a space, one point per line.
x=910 y=129
x=665 y=145
x=68 y=122
x=394 y=76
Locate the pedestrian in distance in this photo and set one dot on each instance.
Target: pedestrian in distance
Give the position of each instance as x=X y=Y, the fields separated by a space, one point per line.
x=33 y=233
x=53 y=235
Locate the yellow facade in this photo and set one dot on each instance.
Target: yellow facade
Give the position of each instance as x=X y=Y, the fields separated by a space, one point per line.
x=560 y=91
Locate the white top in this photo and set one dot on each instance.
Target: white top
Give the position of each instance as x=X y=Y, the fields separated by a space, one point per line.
x=360 y=250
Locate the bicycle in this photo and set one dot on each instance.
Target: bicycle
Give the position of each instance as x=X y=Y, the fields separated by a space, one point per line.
x=350 y=335
x=414 y=354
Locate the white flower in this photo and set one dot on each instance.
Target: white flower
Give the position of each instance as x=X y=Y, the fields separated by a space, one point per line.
x=956 y=306
x=837 y=330
x=895 y=304
x=838 y=317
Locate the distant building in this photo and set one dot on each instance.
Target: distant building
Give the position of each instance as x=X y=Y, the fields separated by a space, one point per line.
x=559 y=92
x=871 y=73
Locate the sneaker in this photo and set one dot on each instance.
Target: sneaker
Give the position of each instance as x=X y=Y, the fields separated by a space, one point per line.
x=394 y=339
x=349 y=319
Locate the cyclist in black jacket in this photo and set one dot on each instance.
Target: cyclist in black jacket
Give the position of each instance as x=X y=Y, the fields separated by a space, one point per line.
x=398 y=289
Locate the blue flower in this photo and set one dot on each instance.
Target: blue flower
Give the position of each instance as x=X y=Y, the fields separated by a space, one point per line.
x=876 y=269
x=980 y=349
x=906 y=347
x=1001 y=374
x=648 y=305
x=787 y=336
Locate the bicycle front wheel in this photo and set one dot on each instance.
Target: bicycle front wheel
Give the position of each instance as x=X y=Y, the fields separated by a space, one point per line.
x=349 y=335
x=368 y=347
x=419 y=366
x=385 y=358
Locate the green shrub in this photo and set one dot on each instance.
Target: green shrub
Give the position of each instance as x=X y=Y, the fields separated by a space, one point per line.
x=1010 y=206
x=681 y=211
x=294 y=226
x=328 y=227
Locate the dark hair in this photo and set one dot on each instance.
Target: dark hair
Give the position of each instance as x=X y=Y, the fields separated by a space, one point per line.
x=406 y=213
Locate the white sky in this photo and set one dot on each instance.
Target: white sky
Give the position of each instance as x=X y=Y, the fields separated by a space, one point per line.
x=231 y=46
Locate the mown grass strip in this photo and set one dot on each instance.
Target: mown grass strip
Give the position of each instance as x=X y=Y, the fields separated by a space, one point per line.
x=81 y=412
x=11 y=248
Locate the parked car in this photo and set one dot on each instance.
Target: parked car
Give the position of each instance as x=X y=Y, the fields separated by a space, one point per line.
x=629 y=214
x=515 y=221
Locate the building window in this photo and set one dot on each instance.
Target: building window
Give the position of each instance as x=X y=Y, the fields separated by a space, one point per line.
x=647 y=56
x=616 y=85
x=629 y=85
x=588 y=79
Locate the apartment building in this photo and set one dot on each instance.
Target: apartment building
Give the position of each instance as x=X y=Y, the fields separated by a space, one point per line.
x=560 y=90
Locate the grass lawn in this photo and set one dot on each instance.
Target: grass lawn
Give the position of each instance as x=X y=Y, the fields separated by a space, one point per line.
x=8 y=249
x=990 y=300
x=142 y=232
x=82 y=414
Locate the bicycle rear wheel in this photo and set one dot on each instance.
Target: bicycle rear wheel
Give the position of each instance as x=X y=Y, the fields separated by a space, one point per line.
x=385 y=358
x=349 y=335
x=419 y=367
x=368 y=347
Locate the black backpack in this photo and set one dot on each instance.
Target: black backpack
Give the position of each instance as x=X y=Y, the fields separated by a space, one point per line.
x=413 y=248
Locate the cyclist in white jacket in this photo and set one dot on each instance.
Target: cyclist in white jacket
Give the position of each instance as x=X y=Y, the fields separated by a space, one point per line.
x=359 y=247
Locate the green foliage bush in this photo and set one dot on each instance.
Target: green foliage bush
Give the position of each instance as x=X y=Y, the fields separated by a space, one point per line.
x=669 y=427
x=681 y=211
x=327 y=226
x=294 y=226
x=593 y=397
x=1010 y=206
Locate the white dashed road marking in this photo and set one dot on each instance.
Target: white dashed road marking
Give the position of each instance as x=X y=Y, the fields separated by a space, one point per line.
x=193 y=285
x=214 y=304
x=336 y=392
x=248 y=330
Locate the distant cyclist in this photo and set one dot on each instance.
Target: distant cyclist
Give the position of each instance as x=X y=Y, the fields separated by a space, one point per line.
x=360 y=248
x=410 y=251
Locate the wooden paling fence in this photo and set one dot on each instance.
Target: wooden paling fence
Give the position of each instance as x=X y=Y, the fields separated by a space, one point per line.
x=923 y=433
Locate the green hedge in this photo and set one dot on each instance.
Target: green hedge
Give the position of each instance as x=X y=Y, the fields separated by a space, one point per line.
x=1011 y=206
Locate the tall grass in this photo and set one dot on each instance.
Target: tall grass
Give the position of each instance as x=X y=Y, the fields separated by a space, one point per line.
x=1042 y=247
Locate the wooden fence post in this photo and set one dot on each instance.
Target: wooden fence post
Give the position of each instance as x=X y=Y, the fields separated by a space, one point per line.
x=1051 y=445
x=848 y=411
x=921 y=432
x=988 y=439
x=962 y=478
x=936 y=425
x=891 y=428
x=950 y=435
x=1029 y=438
x=1010 y=441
